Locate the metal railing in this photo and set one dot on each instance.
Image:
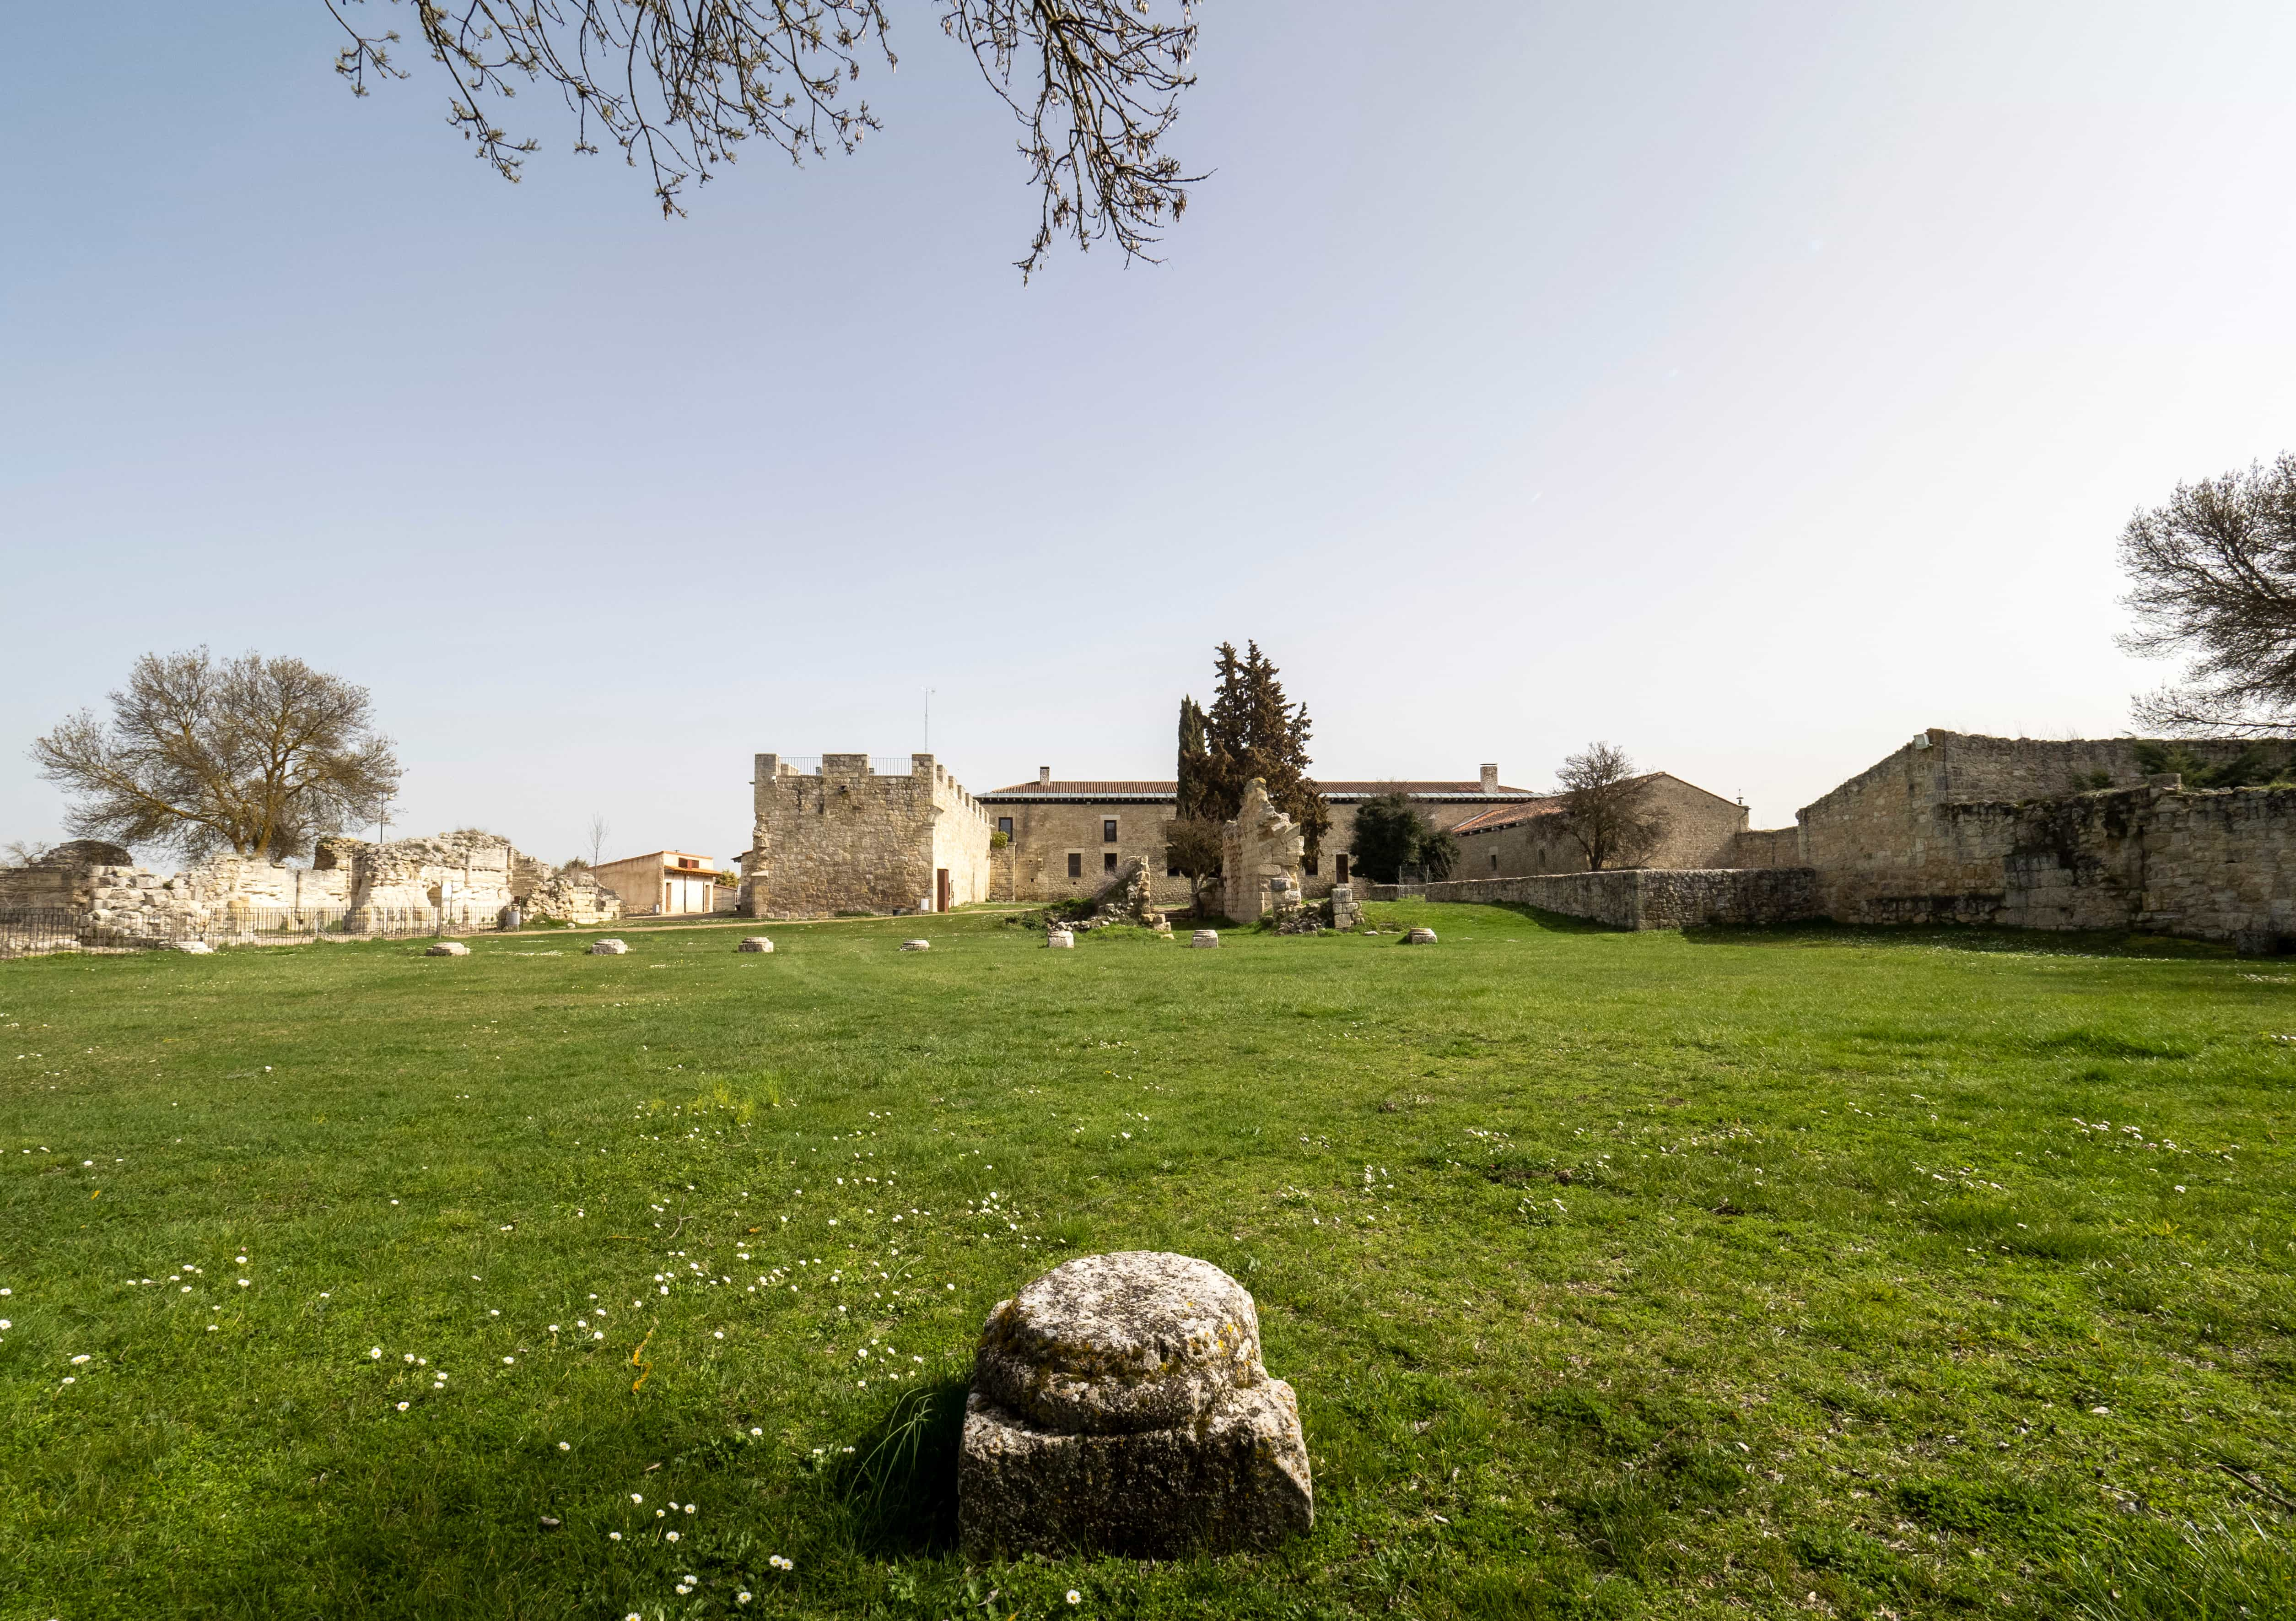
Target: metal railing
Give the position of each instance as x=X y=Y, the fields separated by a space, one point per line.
x=31 y=931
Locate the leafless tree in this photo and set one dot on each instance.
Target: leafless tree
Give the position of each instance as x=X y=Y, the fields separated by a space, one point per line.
x=1095 y=84
x=250 y=755
x=1606 y=807
x=2214 y=583
x=1193 y=848
x=23 y=852
x=600 y=828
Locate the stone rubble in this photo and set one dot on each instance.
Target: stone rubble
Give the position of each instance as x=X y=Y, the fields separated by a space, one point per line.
x=1420 y=937
x=608 y=948
x=448 y=948
x=1119 y=1406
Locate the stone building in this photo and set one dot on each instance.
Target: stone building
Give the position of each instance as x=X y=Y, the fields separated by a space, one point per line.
x=1069 y=837
x=665 y=883
x=1702 y=830
x=844 y=837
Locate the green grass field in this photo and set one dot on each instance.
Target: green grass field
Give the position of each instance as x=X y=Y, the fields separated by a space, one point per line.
x=1743 y=1272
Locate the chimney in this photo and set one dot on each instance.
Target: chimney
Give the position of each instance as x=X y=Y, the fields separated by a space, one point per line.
x=1490 y=779
x=1044 y=774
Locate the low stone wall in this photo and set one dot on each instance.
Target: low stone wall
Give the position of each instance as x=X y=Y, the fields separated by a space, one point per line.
x=1643 y=898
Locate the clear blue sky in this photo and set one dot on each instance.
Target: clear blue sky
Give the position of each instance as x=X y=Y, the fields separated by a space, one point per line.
x=1747 y=385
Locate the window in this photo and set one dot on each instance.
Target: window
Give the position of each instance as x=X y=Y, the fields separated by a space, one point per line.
x=1107 y=831
x=1005 y=826
x=1171 y=871
x=1309 y=866
x=1495 y=860
x=1075 y=864
x=683 y=861
x=1108 y=862
x=1340 y=867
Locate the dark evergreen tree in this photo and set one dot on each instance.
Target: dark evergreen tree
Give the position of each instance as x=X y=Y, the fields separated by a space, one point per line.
x=1195 y=763
x=1392 y=834
x=1252 y=730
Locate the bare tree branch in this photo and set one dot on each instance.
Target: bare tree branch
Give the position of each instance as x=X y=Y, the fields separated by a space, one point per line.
x=1095 y=84
x=2214 y=578
x=254 y=755
x=1606 y=807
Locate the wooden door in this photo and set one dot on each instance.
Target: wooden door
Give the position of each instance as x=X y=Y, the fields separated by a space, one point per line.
x=940 y=888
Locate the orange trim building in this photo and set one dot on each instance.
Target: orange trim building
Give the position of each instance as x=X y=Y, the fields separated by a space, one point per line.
x=665 y=883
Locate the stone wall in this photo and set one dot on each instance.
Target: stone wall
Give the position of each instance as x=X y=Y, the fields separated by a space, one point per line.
x=1767 y=847
x=2219 y=864
x=1642 y=898
x=847 y=839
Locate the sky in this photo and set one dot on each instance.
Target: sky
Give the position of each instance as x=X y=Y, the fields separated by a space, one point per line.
x=1750 y=385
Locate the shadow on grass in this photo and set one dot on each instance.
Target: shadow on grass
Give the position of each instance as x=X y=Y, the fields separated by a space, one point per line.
x=900 y=1485
x=1964 y=937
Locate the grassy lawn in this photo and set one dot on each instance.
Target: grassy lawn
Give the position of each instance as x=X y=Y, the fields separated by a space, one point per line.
x=1618 y=1275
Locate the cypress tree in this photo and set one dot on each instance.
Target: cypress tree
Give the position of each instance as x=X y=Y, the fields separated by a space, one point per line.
x=1251 y=730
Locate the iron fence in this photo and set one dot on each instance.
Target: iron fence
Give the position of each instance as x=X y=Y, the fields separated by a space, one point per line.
x=30 y=931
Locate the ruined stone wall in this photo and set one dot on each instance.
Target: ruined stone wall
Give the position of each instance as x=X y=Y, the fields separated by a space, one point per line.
x=849 y=839
x=2219 y=864
x=467 y=874
x=1643 y=898
x=1262 y=848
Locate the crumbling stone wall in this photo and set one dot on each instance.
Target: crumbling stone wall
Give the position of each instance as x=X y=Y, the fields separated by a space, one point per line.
x=1641 y=897
x=846 y=838
x=1260 y=853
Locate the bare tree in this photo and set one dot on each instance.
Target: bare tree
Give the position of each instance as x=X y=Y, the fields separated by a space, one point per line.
x=2214 y=583
x=1606 y=807
x=1095 y=84
x=599 y=829
x=1193 y=848
x=250 y=755
x=23 y=852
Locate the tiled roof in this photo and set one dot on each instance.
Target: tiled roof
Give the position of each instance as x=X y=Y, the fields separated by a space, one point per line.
x=1507 y=815
x=1169 y=790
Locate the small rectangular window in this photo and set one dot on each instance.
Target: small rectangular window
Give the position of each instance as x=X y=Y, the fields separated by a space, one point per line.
x=1108 y=862
x=1005 y=826
x=1171 y=871
x=1075 y=864
x=1495 y=860
x=1309 y=866
x=1107 y=831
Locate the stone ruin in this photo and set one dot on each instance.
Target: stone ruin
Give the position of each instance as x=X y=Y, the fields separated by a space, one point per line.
x=1119 y=1406
x=90 y=893
x=1261 y=855
x=1128 y=898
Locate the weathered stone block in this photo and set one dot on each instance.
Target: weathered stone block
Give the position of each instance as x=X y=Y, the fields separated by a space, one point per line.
x=1119 y=1404
x=448 y=948
x=608 y=948
x=755 y=942
x=1061 y=940
x=916 y=945
x=1205 y=938
x=1420 y=937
